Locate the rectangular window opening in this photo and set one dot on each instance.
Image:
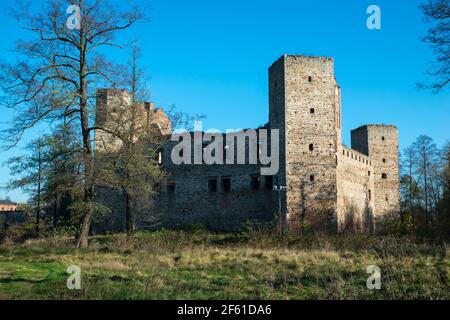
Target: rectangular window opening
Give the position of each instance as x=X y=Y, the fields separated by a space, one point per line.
x=268 y=183
x=226 y=184
x=171 y=187
x=254 y=183
x=212 y=185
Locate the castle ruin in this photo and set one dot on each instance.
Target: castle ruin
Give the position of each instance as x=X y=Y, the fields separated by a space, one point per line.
x=328 y=185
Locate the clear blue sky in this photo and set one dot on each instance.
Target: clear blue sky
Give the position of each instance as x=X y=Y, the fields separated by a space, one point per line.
x=211 y=57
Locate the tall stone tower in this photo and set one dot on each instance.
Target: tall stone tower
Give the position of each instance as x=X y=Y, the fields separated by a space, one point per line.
x=380 y=143
x=304 y=104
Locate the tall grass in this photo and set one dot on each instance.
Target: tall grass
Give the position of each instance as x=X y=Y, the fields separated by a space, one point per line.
x=197 y=264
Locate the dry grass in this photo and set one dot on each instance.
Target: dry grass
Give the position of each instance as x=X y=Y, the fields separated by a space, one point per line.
x=202 y=265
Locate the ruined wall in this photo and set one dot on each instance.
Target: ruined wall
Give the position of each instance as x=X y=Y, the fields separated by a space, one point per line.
x=112 y=220
x=110 y=106
x=381 y=144
x=310 y=135
x=186 y=197
x=277 y=120
x=355 y=191
x=115 y=111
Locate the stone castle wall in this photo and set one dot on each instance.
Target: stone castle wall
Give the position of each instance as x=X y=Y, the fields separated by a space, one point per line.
x=355 y=191
x=380 y=143
x=308 y=103
x=327 y=183
x=192 y=201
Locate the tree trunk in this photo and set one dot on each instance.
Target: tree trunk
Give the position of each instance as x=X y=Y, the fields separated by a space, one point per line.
x=87 y=148
x=129 y=205
x=425 y=164
x=38 y=207
x=129 y=216
x=413 y=216
x=88 y=183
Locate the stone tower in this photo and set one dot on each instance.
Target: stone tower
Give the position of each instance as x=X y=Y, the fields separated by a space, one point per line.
x=110 y=104
x=114 y=112
x=380 y=143
x=304 y=104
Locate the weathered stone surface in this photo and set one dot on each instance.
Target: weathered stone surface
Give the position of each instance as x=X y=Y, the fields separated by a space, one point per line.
x=327 y=183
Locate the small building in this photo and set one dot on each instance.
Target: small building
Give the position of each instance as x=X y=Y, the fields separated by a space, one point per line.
x=8 y=206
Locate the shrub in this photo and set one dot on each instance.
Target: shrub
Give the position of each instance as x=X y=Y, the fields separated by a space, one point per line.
x=3 y=227
x=19 y=233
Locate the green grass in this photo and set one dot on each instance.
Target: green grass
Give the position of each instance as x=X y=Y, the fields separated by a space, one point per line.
x=202 y=265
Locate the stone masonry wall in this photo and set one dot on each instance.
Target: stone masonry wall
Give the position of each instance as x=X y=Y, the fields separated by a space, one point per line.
x=355 y=190
x=382 y=147
x=277 y=120
x=310 y=137
x=193 y=202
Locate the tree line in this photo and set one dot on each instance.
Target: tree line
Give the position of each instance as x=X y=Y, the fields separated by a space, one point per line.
x=425 y=189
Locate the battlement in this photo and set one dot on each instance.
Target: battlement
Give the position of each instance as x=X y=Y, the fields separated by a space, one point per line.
x=302 y=57
x=357 y=156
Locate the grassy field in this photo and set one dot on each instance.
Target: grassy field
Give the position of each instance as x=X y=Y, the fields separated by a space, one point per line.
x=202 y=265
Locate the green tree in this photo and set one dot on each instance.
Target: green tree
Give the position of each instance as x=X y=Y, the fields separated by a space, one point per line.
x=64 y=185
x=28 y=168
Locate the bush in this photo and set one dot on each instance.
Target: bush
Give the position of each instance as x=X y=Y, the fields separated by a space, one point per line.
x=191 y=227
x=3 y=227
x=19 y=233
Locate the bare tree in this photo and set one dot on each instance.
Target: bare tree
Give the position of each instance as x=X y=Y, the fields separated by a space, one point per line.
x=437 y=12
x=59 y=69
x=409 y=188
x=444 y=208
x=427 y=159
x=127 y=157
